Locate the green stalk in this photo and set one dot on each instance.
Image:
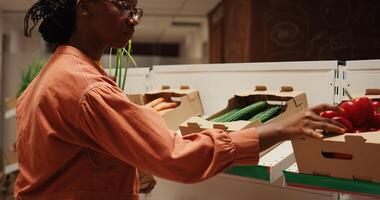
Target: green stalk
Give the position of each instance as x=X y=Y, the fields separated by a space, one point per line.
x=118 y=59
x=121 y=80
x=130 y=57
x=121 y=52
x=110 y=62
x=128 y=52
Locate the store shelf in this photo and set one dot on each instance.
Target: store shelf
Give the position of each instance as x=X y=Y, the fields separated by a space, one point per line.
x=10 y=113
x=270 y=165
x=361 y=188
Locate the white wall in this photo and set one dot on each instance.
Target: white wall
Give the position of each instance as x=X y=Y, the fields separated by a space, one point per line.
x=193 y=48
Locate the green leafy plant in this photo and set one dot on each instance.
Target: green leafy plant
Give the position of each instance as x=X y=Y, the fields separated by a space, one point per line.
x=29 y=74
x=121 y=70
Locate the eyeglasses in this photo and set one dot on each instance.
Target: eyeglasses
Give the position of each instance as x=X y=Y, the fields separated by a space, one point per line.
x=125 y=8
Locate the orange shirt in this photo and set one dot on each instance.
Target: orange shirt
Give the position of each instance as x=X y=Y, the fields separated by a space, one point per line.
x=79 y=137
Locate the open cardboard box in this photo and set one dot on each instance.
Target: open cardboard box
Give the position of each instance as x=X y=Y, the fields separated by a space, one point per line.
x=268 y=169
x=188 y=99
x=293 y=101
x=352 y=156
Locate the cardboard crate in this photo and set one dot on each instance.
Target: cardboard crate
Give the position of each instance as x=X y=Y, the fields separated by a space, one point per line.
x=188 y=99
x=293 y=101
x=272 y=160
x=350 y=156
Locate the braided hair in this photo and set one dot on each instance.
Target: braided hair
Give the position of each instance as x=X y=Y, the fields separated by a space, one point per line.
x=58 y=20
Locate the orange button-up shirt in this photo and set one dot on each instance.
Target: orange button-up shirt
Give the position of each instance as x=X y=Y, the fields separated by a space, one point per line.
x=79 y=137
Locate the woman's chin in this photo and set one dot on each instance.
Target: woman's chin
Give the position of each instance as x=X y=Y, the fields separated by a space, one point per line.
x=125 y=42
x=120 y=45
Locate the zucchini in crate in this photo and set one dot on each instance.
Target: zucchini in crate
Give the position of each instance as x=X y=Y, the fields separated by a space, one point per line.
x=248 y=111
x=267 y=114
x=225 y=116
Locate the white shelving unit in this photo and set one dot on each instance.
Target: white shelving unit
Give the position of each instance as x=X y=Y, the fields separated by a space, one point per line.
x=219 y=82
x=359 y=76
x=137 y=80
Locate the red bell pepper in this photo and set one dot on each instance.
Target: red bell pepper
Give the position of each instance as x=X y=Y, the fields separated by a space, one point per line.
x=330 y=114
x=376 y=106
x=345 y=123
x=359 y=110
x=375 y=121
x=363 y=128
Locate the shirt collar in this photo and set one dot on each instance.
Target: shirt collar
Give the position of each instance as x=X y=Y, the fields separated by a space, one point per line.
x=67 y=49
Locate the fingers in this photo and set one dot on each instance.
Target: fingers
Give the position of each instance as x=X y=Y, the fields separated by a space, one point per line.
x=155 y=102
x=162 y=112
x=325 y=107
x=315 y=125
x=330 y=121
x=165 y=106
x=314 y=134
x=316 y=117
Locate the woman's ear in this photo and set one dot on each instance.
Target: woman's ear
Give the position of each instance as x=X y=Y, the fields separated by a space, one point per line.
x=82 y=7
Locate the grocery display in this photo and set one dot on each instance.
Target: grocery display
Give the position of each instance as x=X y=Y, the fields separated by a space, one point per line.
x=273 y=111
x=251 y=109
x=346 y=156
x=358 y=115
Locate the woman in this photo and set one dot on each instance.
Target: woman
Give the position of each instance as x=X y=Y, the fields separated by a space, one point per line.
x=79 y=137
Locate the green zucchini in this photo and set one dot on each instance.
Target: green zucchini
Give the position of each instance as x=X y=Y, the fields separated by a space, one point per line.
x=225 y=115
x=267 y=114
x=248 y=111
x=258 y=115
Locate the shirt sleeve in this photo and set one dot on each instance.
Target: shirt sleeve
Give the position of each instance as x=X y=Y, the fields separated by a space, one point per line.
x=139 y=136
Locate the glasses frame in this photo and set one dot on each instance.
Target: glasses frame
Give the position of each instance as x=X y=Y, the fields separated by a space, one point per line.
x=125 y=8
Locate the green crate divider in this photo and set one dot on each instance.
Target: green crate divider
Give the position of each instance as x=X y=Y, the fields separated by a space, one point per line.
x=331 y=183
x=256 y=172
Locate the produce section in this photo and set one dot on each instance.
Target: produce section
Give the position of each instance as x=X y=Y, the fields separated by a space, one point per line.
x=241 y=75
x=271 y=162
x=252 y=109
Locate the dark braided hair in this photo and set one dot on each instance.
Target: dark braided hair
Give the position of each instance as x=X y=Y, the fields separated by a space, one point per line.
x=58 y=20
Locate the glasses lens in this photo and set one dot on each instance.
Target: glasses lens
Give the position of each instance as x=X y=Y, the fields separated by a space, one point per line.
x=136 y=14
x=139 y=13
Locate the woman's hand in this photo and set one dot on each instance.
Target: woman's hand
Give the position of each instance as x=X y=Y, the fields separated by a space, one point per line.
x=309 y=123
x=161 y=106
x=306 y=123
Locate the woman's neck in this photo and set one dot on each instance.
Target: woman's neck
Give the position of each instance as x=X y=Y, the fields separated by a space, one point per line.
x=92 y=49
